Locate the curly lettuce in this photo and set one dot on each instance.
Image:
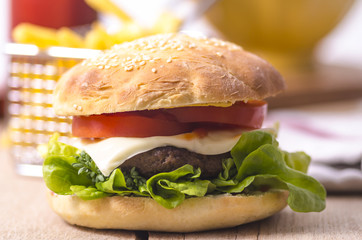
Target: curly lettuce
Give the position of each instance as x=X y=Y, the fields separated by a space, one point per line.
x=257 y=165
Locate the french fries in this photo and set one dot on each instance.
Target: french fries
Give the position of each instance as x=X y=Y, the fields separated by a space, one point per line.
x=97 y=37
x=31 y=34
x=166 y=23
x=68 y=38
x=129 y=32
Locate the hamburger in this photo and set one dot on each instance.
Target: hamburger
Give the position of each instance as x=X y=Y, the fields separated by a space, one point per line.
x=167 y=137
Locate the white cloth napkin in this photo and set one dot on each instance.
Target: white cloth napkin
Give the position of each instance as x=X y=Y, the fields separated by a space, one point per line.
x=331 y=134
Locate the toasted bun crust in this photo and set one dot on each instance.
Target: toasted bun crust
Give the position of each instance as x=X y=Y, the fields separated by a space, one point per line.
x=194 y=214
x=165 y=71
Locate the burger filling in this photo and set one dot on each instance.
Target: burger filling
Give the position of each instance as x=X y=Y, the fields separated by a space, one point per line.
x=167 y=159
x=174 y=154
x=122 y=149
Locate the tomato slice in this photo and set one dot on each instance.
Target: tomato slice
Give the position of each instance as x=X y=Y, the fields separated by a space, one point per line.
x=240 y=114
x=167 y=122
x=125 y=125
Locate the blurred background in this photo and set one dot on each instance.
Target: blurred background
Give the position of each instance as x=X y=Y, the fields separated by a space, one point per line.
x=316 y=44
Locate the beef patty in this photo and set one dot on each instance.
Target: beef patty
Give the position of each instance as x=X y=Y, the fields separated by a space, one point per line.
x=165 y=159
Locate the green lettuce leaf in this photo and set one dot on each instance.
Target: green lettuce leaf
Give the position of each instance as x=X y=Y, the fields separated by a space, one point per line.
x=88 y=193
x=233 y=186
x=305 y=193
x=116 y=184
x=169 y=189
x=297 y=160
x=58 y=173
x=56 y=148
x=249 y=142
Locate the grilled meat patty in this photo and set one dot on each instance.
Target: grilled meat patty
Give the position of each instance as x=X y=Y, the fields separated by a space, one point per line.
x=165 y=159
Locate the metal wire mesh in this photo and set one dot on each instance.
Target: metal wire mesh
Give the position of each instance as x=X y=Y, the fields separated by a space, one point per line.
x=32 y=121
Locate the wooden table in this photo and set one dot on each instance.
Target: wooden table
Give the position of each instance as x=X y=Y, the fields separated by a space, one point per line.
x=25 y=214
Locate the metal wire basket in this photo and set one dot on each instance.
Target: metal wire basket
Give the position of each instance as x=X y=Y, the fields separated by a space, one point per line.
x=32 y=76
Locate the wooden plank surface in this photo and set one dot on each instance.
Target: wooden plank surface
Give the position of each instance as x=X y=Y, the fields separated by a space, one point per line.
x=248 y=232
x=25 y=214
x=341 y=220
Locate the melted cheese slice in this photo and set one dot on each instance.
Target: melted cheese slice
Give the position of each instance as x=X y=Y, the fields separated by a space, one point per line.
x=110 y=153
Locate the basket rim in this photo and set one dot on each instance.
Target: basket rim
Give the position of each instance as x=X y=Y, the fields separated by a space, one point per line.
x=19 y=49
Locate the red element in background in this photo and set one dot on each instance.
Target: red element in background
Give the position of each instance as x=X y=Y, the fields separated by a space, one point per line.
x=51 y=13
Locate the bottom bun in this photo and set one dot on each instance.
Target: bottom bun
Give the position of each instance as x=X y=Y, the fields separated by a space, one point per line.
x=141 y=213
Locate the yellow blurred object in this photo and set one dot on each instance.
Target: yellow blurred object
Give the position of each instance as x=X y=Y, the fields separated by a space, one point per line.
x=5 y=141
x=98 y=38
x=166 y=23
x=32 y=34
x=129 y=32
x=68 y=38
x=108 y=7
x=284 y=32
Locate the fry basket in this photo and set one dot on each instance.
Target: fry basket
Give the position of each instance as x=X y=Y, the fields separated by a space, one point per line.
x=32 y=75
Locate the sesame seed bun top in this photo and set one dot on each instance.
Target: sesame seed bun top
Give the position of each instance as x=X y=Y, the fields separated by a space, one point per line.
x=165 y=71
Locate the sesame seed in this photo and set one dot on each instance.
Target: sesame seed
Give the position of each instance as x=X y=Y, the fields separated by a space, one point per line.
x=219 y=54
x=107 y=67
x=128 y=58
x=154 y=70
x=192 y=45
x=180 y=48
x=161 y=43
x=100 y=67
x=142 y=63
x=77 y=107
x=169 y=60
x=146 y=57
x=128 y=68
